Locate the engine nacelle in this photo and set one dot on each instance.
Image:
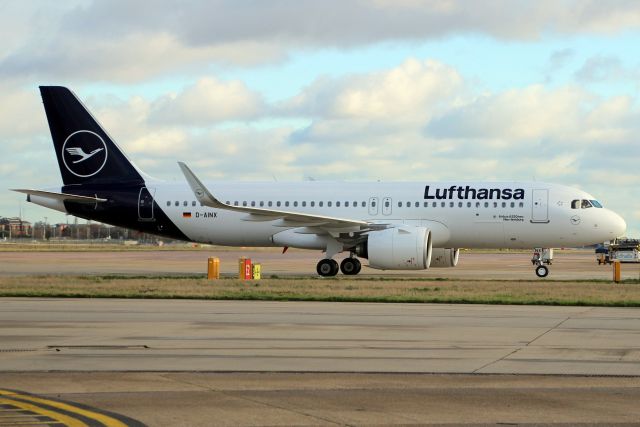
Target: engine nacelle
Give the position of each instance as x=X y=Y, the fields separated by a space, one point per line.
x=444 y=257
x=403 y=248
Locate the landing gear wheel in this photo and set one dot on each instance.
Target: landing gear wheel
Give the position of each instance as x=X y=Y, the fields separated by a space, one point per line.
x=327 y=267
x=350 y=266
x=542 y=271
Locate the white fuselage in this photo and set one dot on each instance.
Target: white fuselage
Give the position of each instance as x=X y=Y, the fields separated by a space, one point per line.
x=542 y=217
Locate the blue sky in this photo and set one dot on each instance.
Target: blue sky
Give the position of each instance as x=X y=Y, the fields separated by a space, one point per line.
x=337 y=90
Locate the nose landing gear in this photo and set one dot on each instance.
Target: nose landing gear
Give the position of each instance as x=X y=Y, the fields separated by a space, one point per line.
x=542 y=257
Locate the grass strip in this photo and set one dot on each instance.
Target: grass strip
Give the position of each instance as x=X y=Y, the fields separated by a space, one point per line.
x=396 y=290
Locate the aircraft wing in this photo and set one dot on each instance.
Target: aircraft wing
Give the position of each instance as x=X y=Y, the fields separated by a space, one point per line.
x=282 y=218
x=64 y=197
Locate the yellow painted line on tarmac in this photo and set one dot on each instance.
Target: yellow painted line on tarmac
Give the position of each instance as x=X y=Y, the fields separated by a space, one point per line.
x=69 y=421
x=60 y=418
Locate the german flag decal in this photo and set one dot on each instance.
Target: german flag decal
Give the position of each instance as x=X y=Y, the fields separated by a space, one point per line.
x=186 y=214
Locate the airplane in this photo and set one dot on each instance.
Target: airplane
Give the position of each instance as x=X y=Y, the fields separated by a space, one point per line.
x=395 y=226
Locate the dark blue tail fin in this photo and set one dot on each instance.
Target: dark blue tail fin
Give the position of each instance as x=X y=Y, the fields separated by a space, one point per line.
x=86 y=154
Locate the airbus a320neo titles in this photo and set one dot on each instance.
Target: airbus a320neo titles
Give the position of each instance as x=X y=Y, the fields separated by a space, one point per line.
x=396 y=226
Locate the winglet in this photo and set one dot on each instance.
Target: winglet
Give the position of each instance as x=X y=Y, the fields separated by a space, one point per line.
x=202 y=194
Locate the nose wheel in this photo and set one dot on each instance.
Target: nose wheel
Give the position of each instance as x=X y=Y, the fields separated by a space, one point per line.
x=542 y=271
x=542 y=257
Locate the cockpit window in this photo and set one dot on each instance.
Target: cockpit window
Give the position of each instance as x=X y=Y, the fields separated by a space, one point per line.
x=575 y=204
x=596 y=204
x=586 y=204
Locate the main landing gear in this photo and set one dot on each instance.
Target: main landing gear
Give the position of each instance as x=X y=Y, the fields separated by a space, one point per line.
x=542 y=257
x=349 y=266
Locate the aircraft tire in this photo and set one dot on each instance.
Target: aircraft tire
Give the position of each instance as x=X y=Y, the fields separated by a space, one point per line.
x=327 y=267
x=350 y=266
x=542 y=271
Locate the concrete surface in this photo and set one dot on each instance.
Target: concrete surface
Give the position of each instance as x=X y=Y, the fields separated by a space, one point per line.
x=250 y=399
x=178 y=335
x=569 y=265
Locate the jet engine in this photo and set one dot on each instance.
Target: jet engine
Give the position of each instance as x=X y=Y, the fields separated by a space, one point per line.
x=402 y=248
x=444 y=257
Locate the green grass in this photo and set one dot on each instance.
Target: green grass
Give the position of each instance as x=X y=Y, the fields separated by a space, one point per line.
x=379 y=290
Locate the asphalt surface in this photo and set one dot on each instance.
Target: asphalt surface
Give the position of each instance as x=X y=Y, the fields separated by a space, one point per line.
x=202 y=363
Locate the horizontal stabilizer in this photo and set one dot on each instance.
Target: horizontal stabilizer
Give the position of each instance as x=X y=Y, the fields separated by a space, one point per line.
x=63 y=197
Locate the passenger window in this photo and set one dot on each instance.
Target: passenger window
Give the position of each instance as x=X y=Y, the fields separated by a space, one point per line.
x=373 y=204
x=228 y=202
x=320 y=204
x=169 y=203
x=261 y=203
x=313 y=203
x=408 y=204
x=253 y=204
x=426 y=204
x=177 y=203
x=586 y=204
x=295 y=204
x=337 y=204
x=443 y=204
x=346 y=204
x=244 y=203
x=575 y=204
x=235 y=203
x=304 y=204
x=434 y=204
x=504 y=204
x=477 y=204
x=193 y=203
x=399 y=204
x=328 y=204
x=521 y=205
x=513 y=204
x=364 y=204
x=278 y=203
x=468 y=204
x=286 y=203
x=495 y=204
x=417 y=204
x=386 y=204
x=451 y=204
x=270 y=203
x=459 y=204
x=486 y=204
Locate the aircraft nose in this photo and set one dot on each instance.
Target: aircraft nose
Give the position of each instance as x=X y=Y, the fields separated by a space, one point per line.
x=617 y=224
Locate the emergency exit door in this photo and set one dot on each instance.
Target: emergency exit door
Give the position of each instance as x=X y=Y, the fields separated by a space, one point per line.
x=540 y=206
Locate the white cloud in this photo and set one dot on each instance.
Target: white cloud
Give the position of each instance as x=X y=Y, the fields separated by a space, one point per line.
x=206 y=102
x=412 y=91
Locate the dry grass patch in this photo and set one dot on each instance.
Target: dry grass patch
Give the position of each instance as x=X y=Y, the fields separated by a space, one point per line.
x=546 y=292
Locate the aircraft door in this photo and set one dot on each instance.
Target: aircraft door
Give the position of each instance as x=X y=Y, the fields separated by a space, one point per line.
x=145 y=204
x=387 y=206
x=540 y=206
x=373 y=206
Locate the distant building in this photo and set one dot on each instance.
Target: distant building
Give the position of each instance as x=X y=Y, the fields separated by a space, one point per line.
x=15 y=227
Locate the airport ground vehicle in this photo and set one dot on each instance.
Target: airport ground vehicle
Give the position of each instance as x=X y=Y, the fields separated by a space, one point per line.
x=620 y=249
x=396 y=226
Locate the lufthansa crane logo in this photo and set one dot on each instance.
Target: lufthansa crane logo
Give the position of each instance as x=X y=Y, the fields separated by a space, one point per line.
x=84 y=153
